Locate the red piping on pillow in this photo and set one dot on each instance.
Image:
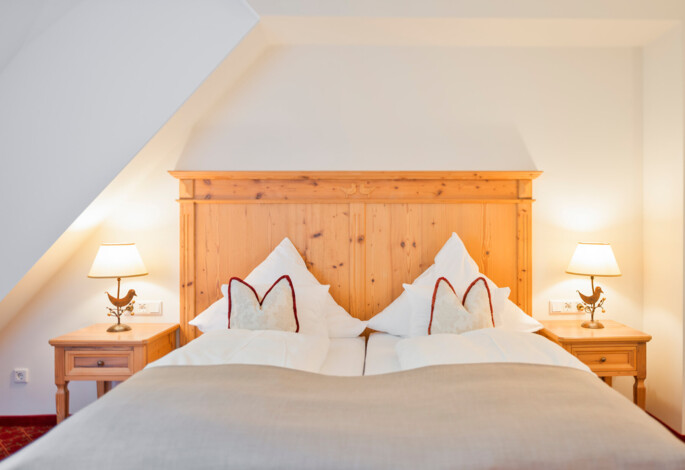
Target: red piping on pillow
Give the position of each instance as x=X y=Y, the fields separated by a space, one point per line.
x=230 y=303
x=468 y=289
x=435 y=291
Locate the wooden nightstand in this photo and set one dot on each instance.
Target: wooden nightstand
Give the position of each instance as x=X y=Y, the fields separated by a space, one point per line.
x=615 y=350
x=92 y=353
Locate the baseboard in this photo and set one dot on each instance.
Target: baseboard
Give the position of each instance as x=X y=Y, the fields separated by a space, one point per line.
x=673 y=431
x=32 y=420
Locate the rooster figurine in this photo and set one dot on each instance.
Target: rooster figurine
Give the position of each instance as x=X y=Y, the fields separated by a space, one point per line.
x=588 y=299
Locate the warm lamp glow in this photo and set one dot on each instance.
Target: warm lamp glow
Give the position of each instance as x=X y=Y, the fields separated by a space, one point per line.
x=593 y=259
x=116 y=260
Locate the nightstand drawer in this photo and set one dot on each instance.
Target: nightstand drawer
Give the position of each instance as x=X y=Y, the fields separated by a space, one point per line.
x=607 y=358
x=96 y=363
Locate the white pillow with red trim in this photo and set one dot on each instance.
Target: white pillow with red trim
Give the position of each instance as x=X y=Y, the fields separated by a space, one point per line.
x=318 y=312
x=454 y=263
x=285 y=259
x=442 y=309
x=453 y=315
x=275 y=310
x=309 y=302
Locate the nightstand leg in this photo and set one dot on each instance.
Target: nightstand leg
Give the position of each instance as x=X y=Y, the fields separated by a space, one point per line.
x=608 y=380
x=62 y=401
x=104 y=386
x=639 y=392
x=62 y=396
x=639 y=386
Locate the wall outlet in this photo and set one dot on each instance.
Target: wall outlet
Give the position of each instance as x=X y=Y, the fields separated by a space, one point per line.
x=565 y=307
x=147 y=307
x=20 y=376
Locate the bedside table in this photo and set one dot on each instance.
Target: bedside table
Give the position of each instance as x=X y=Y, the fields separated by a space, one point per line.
x=92 y=353
x=615 y=350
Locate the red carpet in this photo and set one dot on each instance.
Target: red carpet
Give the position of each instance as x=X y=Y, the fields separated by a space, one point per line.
x=13 y=438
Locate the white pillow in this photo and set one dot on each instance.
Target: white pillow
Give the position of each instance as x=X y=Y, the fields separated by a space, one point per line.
x=481 y=346
x=395 y=319
x=260 y=347
x=453 y=262
x=440 y=310
x=510 y=317
x=285 y=259
x=309 y=299
x=214 y=317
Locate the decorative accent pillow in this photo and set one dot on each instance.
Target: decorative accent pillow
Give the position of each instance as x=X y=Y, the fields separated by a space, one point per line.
x=277 y=310
x=310 y=302
x=450 y=315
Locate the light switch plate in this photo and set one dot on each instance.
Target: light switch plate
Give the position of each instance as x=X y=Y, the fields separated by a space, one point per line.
x=565 y=307
x=147 y=307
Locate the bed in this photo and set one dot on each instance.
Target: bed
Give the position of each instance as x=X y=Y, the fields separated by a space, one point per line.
x=364 y=234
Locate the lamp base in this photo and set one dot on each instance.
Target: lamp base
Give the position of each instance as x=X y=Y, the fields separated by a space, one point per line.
x=593 y=325
x=118 y=328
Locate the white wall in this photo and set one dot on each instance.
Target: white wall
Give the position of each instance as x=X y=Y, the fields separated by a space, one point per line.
x=84 y=86
x=574 y=113
x=663 y=226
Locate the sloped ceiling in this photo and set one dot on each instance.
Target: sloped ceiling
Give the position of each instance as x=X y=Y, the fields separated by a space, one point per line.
x=83 y=89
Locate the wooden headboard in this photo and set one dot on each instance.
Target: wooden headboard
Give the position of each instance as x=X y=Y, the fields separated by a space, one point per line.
x=364 y=233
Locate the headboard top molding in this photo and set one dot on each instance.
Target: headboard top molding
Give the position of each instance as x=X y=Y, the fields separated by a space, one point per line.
x=355 y=175
x=336 y=186
x=363 y=233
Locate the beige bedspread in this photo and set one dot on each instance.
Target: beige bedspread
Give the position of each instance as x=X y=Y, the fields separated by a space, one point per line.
x=460 y=416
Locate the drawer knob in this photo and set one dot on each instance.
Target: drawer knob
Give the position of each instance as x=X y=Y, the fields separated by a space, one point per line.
x=102 y=363
x=603 y=359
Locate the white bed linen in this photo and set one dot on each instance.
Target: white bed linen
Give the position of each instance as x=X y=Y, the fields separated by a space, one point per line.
x=258 y=347
x=486 y=345
x=345 y=357
x=381 y=356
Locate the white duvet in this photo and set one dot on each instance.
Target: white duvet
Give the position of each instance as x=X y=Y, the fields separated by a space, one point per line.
x=484 y=345
x=263 y=347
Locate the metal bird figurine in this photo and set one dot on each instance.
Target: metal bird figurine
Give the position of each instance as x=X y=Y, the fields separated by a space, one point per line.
x=588 y=299
x=123 y=304
x=124 y=301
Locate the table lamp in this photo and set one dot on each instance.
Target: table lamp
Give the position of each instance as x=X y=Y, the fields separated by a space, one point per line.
x=117 y=260
x=593 y=259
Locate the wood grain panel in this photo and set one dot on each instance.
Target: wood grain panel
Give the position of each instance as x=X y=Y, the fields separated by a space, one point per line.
x=364 y=233
x=403 y=240
x=325 y=190
x=232 y=239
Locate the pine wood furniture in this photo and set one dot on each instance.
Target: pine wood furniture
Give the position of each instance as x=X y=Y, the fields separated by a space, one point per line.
x=615 y=350
x=364 y=233
x=92 y=353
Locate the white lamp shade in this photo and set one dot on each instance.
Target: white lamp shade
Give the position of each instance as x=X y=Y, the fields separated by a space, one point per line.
x=117 y=260
x=594 y=259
